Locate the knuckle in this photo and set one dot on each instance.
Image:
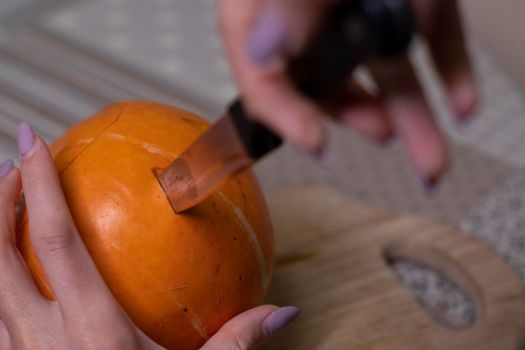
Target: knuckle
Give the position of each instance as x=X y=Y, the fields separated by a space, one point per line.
x=37 y=181
x=55 y=242
x=242 y=340
x=238 y=342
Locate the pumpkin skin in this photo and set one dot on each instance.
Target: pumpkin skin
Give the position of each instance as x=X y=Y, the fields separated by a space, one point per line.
x=179 y=277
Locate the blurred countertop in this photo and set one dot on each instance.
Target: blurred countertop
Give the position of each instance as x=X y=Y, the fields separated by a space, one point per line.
x=499 y=27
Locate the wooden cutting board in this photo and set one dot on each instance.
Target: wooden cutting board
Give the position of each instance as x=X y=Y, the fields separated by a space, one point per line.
x=331 y=262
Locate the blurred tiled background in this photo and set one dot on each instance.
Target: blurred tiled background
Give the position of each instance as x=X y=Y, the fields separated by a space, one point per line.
x=63 y=60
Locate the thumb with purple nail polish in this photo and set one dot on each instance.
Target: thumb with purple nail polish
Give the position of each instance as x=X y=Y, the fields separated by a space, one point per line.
x=280 y=318
x=252 y=327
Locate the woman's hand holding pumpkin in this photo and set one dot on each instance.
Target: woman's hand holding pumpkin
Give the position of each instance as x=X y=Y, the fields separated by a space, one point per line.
x=85 y=314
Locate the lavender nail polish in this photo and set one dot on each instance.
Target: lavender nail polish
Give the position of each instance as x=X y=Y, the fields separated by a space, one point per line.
x=268 y=36
x=6 y=168
x=465 y=122
x=25 y=138
x=430 y=185
x=323 y=157
x=326 y=159
x=280 y=318
x=390 y=141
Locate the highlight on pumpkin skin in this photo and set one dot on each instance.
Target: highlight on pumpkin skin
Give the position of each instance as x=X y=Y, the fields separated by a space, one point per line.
x=220 y=250
x=245 y=225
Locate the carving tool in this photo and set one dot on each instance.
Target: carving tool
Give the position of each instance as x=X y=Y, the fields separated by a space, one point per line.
x=353 y=30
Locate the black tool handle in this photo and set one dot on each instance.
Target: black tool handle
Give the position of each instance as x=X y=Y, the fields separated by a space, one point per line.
x=352 y=31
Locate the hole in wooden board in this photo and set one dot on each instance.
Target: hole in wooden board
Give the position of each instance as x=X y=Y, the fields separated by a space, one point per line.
x=453 y=304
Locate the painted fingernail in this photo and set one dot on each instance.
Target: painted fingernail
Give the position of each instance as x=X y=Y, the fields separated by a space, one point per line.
x=323 y=157
x=25 y=138
x=268 y=36
x=391 y=141
x=280 y=318
x=464 y=96
x=464 y=122
x=386 y=142
x=430 y=184
x=6 y=168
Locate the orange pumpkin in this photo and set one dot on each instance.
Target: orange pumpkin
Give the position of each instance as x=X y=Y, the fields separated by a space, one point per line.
x=179 y=276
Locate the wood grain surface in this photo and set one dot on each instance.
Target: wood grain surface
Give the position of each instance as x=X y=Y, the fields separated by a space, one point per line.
x=332 y=262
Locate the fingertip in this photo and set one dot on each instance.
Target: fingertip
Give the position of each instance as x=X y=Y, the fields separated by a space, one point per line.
x=428 y=152
x=364 y=112
x=310 y=137
x=464 y=98
x=40 y=178
x=430 y=184
x=25 y=138
x=432 y=169
x=245 y=330
x=370 y=122
x=280 y=319
x=305 y=128
x=268 y=36
x=383 y=138
x=6 y=168
x=10 y=183
x=389 y=141
x=33 y=149
x=35 y=153
x=10 y=175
